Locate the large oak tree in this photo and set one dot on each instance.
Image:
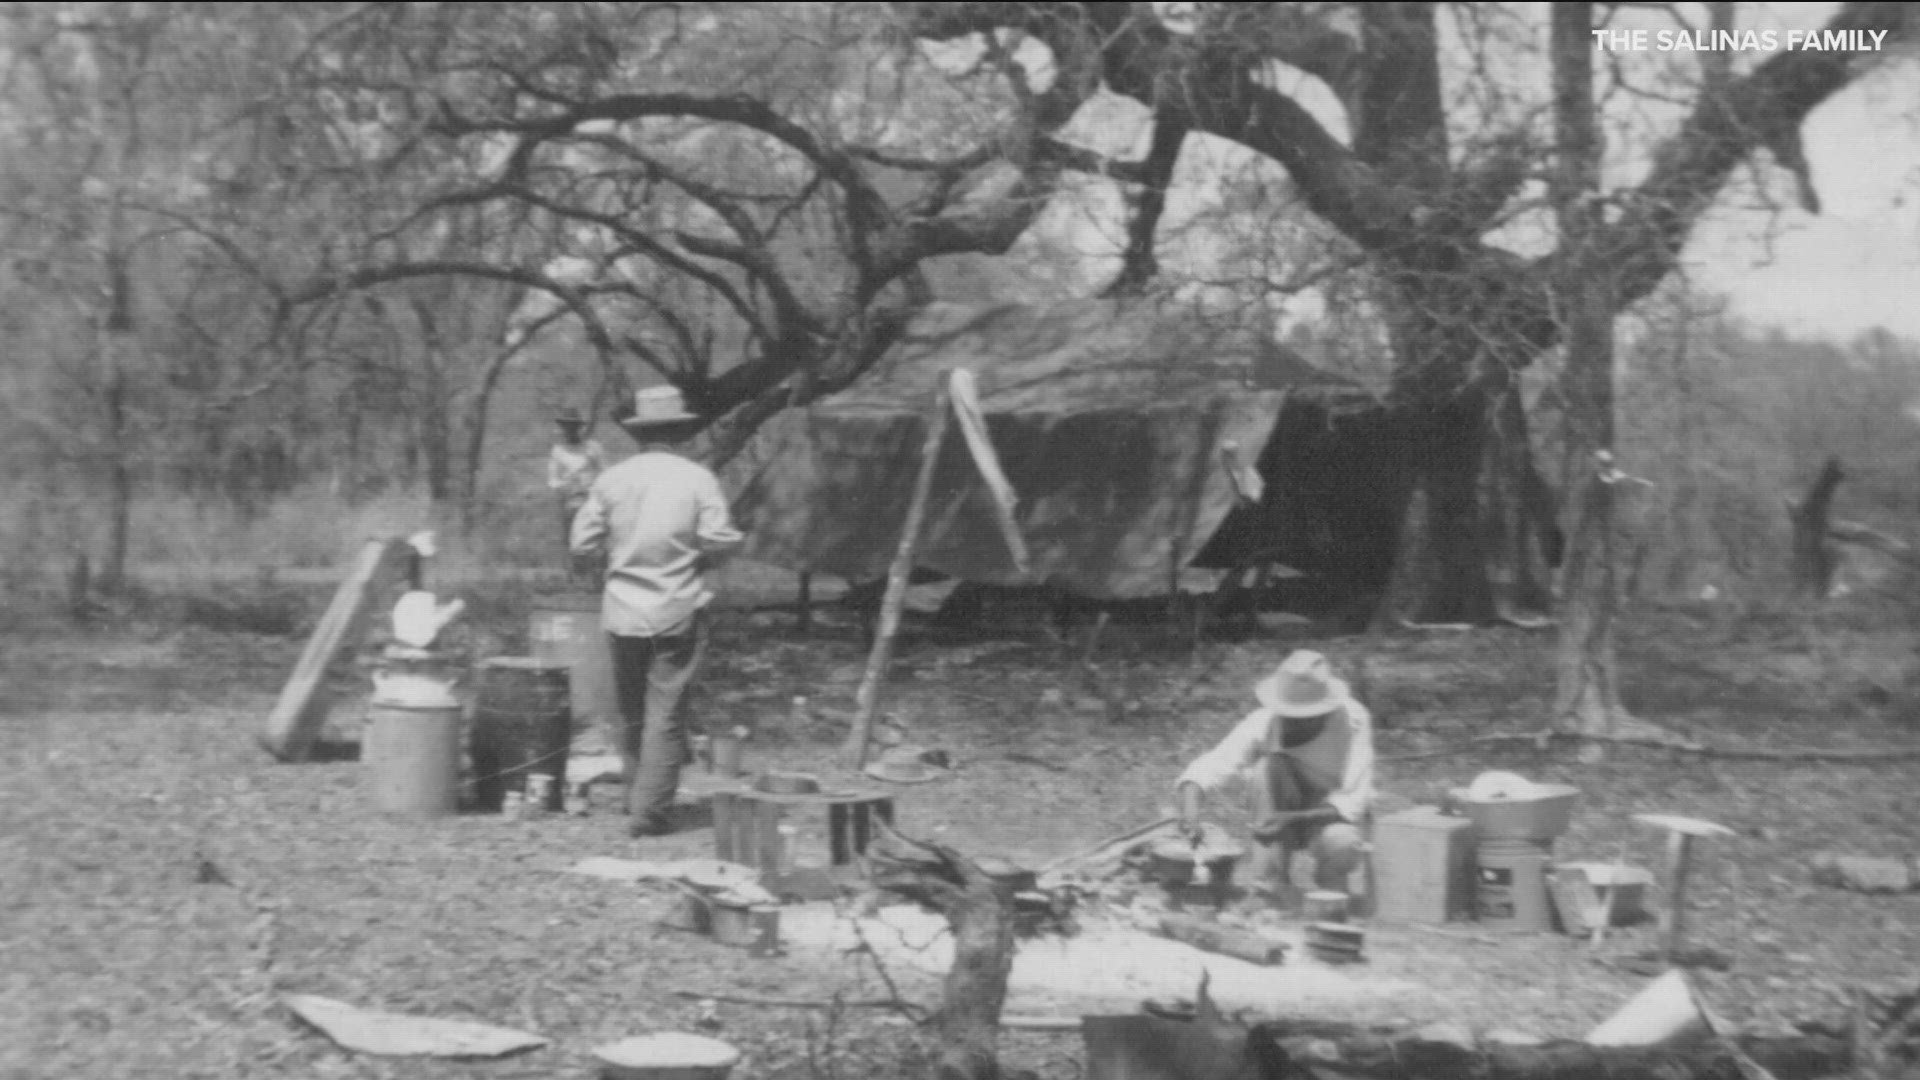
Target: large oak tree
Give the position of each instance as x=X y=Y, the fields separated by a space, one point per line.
x=1422 y=202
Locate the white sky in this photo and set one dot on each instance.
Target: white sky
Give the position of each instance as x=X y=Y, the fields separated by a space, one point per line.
x=1853 y=266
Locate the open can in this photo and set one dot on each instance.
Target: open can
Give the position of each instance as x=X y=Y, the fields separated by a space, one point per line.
x=539 y=791
x=725 y=755
x=764 y=921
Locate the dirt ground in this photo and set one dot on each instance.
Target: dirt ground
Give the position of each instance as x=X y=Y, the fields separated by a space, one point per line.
x=160 y=876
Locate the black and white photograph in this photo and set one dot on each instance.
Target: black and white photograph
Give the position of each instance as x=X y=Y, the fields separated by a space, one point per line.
x=977 y=541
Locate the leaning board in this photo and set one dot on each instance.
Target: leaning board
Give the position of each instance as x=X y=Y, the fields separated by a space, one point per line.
x=294 y=723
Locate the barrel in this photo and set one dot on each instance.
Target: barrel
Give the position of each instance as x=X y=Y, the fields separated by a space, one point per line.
x=1511 y=885
x=566 y=628
x=412 y=754
x=522 y=724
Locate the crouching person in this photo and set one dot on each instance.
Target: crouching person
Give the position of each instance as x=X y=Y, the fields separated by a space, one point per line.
x=1310 y=745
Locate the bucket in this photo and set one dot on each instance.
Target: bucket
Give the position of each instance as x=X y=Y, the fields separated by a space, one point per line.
x=724 y=755
x=521 y=726
x=1511 y=886
x=566 y=629
x=412 y=754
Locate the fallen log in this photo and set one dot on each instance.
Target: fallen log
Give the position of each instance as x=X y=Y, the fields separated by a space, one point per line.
x=1803 y=1057
x=1148 y=1047
x=1542 y=739
x=1224 y=940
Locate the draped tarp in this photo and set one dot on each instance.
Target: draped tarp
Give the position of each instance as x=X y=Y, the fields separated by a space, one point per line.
x=1116 y=421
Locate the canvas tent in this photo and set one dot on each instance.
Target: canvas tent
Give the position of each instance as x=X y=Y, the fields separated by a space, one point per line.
x=1119 y=423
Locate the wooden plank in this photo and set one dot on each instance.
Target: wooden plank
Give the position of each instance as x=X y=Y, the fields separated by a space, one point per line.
x=767 y=840
x=294 y=724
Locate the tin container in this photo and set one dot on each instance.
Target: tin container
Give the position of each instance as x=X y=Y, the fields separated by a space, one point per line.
x=513 y=806
x=1325 y=905
x=1335 y=943
x=725 y=753
x=755 y=929
x=764 y=921
x=539 y=790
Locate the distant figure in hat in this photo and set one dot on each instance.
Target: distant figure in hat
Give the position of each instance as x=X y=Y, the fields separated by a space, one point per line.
x=659 y=518
x=571 y=468
x=1312 y=746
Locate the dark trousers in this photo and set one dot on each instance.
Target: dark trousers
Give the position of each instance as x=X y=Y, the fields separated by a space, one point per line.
x=651 y=676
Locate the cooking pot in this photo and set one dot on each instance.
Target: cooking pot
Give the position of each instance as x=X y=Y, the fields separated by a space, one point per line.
x=1170 y=860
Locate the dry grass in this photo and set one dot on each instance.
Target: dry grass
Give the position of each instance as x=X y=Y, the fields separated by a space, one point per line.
x=134 y=760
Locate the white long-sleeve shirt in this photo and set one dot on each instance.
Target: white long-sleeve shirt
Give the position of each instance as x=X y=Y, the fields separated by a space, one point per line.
x=655 y=516
x=571 y=469
x=1340 y=759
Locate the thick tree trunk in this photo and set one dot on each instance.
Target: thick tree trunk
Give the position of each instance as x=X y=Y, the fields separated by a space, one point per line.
x=1813 y=556
x=1440 y=572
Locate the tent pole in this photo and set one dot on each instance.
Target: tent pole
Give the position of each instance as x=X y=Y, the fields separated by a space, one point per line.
x=897 y=577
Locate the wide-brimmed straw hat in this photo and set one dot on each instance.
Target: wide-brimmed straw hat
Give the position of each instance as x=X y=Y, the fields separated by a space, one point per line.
x=1303 y=685
x=656 y=405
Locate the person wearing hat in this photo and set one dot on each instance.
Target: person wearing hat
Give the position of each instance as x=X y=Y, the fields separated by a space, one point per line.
x=572 y=466
x=660 y=519
x=1311 y=747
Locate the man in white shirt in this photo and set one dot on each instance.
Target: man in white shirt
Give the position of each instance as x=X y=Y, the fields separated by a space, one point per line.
x=1312 y=746
x=659 y=518
x=572 y=465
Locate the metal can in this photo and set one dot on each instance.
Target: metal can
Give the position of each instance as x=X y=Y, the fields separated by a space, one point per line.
x=764 y=924
x=539 y=791
x=513 y=806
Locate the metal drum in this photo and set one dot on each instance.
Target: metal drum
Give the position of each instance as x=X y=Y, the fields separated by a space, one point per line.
x=522 y=726
x=566 y=629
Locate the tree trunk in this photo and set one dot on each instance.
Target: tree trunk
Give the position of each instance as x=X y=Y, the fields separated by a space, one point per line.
x=1525 y=509
x=964 y=1031
x=1813 y=556
x=120 y=481
x=1460 y=590
x=1587 y=697
x=1440 y=566
x=477 y=439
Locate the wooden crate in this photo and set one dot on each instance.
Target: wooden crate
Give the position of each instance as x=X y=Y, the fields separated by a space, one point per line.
x=832 y=830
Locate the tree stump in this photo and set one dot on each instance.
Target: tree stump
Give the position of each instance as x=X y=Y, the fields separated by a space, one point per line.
x=1813 y=556
x=964 y=1031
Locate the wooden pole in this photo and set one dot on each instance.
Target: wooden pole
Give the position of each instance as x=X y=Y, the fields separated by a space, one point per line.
x=1679 y=864
x=866 y=701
